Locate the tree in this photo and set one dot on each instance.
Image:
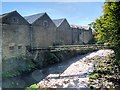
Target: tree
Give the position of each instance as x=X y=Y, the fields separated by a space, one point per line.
x=108 y=26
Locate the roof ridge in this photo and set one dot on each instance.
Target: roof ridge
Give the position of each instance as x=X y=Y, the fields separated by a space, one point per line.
x=58 y=21
x=32 y=18
x=8 y=13
x=35 y=14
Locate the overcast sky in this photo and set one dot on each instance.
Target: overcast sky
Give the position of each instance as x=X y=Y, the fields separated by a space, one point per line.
x=81 y=13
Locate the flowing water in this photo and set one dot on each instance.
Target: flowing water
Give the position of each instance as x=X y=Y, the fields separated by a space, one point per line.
x=68 y=68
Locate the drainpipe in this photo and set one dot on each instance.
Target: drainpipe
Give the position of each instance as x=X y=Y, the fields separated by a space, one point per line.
x=72 y=35
x=78 y=35
x=31 y=32
x=83 y=36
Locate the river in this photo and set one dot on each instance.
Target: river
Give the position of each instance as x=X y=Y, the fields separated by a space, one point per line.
x=70 y=73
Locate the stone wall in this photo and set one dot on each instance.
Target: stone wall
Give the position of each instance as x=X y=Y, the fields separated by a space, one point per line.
x=43 y=37
x=43 y=32
x=16 y=33
x=76 y=36
x=0 y=52
x=64 y=34
x=86 y=35
x=15 y=39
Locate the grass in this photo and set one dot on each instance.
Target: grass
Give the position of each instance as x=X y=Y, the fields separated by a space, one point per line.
x=95 y=76
x=36 y=87
x=32 y=87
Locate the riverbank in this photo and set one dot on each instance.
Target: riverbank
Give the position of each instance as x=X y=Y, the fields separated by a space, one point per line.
x=106 y=73
x=18 y=74
x=74 y=75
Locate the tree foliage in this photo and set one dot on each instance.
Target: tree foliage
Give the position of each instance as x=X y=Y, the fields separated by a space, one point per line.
x=108 y=26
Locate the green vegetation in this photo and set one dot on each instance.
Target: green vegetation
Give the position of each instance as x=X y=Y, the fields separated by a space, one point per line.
x=107 y=29
x=95 y=76
x=106 y=73
x=32 y=87
x=16 y=65
x=36 y=87
x=107 y=26
x=20 y=64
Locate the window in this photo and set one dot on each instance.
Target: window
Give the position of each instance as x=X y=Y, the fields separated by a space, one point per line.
x=6 y=18
x=20 y=46
x=80 y=32
x=45 y=23
x=11 y=48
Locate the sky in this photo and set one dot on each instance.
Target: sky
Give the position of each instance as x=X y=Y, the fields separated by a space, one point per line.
x=79 y=13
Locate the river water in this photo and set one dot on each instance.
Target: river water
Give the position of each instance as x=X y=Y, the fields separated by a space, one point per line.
x=70 y=73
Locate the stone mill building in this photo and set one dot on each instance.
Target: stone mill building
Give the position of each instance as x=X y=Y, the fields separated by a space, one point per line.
x=38 y=30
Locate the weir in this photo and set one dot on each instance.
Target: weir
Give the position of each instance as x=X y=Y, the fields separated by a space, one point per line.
x=71 y=47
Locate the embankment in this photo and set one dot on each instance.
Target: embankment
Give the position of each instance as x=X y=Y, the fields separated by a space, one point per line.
x=16 y=69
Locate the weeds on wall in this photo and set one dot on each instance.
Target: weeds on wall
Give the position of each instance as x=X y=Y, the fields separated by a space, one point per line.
x=16 y=65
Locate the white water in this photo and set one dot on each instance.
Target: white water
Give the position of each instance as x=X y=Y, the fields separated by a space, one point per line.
x=75 y=74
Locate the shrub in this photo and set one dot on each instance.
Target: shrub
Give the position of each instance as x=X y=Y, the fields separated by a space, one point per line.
x=94 y=76
x=16 y=65
x=32 y=87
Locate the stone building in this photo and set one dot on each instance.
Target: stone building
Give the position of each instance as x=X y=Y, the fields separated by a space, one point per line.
x=86 y=35
x=81 y=34
x=38 y=30
x=15 y=34
x=42 y=29
x=63 y=32
x=76 y=34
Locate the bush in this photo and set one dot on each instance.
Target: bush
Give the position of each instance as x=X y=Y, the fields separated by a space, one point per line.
x=32 y=87
x=95 y=76
x=16 y=65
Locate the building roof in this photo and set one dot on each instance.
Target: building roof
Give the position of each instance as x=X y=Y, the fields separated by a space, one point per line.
x=75 y=26
x=32 y=18
x=85 y=27
x=58 y=21
x=6 y=14
x=80 y=27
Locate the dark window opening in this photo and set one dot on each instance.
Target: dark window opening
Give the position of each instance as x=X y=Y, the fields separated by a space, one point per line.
x=19 y=47
x=11 y=48
x=45 y=23
x=6 y=18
